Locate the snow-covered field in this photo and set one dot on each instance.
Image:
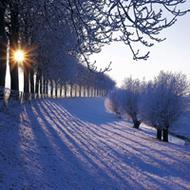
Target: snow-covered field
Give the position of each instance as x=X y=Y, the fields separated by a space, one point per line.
x=73 y=144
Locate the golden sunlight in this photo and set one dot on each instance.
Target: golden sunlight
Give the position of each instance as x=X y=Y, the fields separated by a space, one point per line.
x=19 y=55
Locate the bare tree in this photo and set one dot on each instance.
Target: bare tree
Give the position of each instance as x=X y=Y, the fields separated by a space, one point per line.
x=91 y=24
x=96 y=23
x=3 y=42
x=130 y=103
x=139 y=21
x=114 y=101
x=163 y=101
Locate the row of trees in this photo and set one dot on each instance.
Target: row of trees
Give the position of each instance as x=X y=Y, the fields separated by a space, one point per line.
x=158 y=103
x=52 y=32
x=51 y=47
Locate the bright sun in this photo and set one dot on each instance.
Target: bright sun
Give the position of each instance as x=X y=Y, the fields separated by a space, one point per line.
x=19 y=55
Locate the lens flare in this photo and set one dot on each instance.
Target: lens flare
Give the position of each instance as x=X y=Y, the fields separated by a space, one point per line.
x=19 y=55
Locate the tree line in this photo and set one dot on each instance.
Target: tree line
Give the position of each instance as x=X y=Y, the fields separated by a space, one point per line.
x=54 y=32
x=51 y=48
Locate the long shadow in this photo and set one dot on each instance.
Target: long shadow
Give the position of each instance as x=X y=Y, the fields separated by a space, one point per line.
x=13 y=174
x=71 y=158
x=139 y=149
x=89 y=150
x=75 y=145
x=126 y=131
x=130 y=131
x=119 y=156
x=160 y=151
x=157 y=160
x=157 y=170
x=94 y=153
x=56 y=150
x=136 y=144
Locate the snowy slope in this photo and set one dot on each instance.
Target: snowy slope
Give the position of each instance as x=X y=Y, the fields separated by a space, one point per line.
x=182 y=126
x=73 y=144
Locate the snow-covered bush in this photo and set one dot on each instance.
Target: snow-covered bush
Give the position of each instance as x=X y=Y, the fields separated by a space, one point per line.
x=125 y=100
x=130 y=103
x=114 y=101
x=163 y=101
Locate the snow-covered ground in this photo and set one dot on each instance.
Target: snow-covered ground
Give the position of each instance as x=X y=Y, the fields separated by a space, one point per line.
x=182 y=126
x=74 y=144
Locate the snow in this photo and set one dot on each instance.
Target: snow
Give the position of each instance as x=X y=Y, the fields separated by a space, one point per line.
x=73 y=144
x=150 y=131
x=182 y=126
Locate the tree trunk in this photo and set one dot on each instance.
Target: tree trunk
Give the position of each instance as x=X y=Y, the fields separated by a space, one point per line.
x=95 y=92
x=56 y=88
x=88 y=91
x=65 y=90
x=14 y=37
x=41 y=87
x=91 y=92
x=165 y=135
x=61 y=90
x=47 y=88
x=76 y=90
x=51 y=91
x=31 y=83
x=136 y=122
x=44 y=87
x=71 y=90
x=26 y=83
x=159 y=134
x=80 y=89
x=98 y=92
x=84 y=91
x=37 y=83
x=3 y=47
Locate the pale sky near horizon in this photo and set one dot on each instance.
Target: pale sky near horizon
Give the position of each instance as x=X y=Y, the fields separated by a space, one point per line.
x=173 y=54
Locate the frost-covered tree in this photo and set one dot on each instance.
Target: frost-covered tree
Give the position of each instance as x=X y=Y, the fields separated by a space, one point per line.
x=103 y=82
x=114 y=101
x=3 y=42
x=163 y=101
x=130 y=103
x=136 y=21
x=89 y=24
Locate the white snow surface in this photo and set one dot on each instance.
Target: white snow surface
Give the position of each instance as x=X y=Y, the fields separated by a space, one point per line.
x=74 y=144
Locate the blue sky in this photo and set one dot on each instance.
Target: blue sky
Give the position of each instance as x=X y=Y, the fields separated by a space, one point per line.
x=171 y=55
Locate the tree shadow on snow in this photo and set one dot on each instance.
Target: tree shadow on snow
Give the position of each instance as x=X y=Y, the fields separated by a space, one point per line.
x=13 y=174
x=115 y=154
x=57 y=149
